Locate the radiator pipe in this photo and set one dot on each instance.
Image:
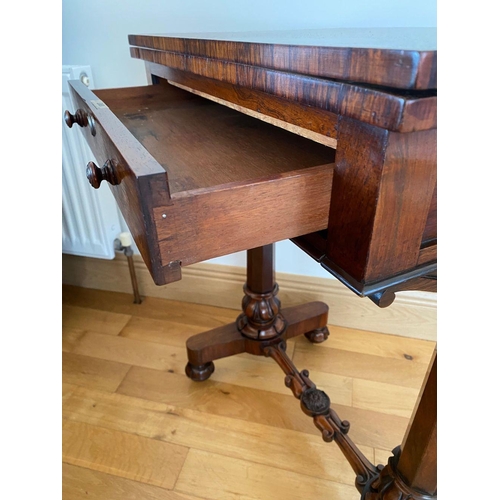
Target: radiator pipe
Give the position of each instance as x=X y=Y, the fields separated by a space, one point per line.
x=124 y=244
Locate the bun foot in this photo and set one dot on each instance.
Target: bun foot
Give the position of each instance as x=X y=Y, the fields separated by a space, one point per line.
x=200 y=373
x=317 y=336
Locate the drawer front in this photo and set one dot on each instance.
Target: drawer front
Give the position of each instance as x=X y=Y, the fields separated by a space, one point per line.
x=236 y=184
x=214 y=223
x=137 y=180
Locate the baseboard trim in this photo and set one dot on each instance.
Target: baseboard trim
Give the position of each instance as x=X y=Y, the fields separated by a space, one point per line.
x=413 y=314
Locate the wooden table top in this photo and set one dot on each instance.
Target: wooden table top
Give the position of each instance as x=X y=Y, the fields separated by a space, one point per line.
x=400 y=58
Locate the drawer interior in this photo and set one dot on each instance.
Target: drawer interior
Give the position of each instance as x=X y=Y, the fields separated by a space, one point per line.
x=202 y=144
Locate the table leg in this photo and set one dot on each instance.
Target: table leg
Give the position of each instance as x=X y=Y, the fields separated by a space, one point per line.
x=411 y=473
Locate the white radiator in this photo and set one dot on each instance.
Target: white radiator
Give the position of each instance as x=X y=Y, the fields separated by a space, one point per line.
x=90 y=217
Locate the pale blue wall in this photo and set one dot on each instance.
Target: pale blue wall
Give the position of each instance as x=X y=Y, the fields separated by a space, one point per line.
x=95 y=33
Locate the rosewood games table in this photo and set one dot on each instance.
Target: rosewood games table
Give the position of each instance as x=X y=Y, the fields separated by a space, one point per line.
x=324 y=137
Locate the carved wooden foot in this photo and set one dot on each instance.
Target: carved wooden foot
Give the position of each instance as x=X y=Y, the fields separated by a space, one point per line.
x=318 y=336
x=218 y=343
x=199 y=373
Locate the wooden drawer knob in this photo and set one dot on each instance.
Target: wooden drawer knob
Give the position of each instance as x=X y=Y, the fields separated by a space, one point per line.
x=96 y=175
x=81 y=118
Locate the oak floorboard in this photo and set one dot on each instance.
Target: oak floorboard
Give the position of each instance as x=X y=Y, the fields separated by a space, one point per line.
x=70 y=338
x=160 y=331
x=79 y=483
x=122 y=454
x=373 y=429
x=254 y=372
x=377 y=344
x=96 y=320
x=132 y=352
x=282 y=448
x=92 y=372
x=384 y=398
x=402 y=372
x=151 y=307
x=223 y=478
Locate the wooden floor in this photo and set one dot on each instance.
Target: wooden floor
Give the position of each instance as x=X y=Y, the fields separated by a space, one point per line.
x=135 y=427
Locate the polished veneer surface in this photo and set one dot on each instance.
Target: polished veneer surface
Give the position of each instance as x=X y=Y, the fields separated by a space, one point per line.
x=405 y=57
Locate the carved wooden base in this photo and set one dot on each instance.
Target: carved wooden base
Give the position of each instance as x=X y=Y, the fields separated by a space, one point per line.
x=227 y=340
x=389 y=485
x=262 y=329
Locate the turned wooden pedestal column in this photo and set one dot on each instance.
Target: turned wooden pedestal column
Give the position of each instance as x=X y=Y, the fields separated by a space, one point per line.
x=262 y=329
x=261 y=322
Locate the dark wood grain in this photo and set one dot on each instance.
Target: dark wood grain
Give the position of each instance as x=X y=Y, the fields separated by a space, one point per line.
x=203 y=144
x=126 y=98
x=418 y=461
x=384 y=297
x=381 y=195
x=428 y=252
x=430 y=230
x=323 y=53
x=388 y=108
x=260 y=269
x=383 y=214
x=261 y=318
x=225 y=341
x=317 y=120
x=212 y=222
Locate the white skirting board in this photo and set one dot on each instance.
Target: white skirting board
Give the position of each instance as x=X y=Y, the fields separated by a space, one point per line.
x=413 y=314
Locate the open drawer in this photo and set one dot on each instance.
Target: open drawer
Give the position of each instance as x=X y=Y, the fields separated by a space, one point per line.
x=195 y=179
